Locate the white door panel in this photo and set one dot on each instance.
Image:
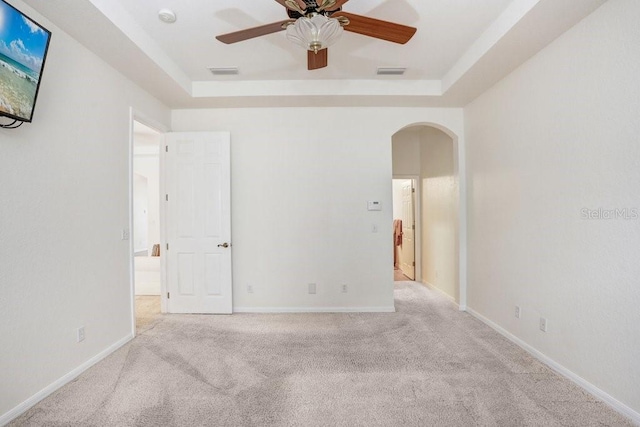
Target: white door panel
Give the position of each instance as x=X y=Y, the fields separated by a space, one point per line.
x=198 y=222
x=407 y=251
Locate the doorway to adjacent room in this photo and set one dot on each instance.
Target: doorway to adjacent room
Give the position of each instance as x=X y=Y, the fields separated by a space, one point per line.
x=426 y=208
x=404 y=229
x=146 y=225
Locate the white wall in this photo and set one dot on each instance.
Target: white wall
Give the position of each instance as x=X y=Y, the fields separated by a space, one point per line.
x=64 y=199
x=439 y=212
x=299 y=198
x=396 y=188
x=406 y=152
x=558 y=135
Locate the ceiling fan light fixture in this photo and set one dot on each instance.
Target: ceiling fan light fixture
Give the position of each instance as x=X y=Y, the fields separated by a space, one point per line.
x=314 y=33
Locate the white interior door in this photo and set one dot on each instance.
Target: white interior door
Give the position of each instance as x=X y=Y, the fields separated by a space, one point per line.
x=198 y=185
x=407 y=251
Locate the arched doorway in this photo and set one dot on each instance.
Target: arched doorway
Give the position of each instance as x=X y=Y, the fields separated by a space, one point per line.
x=426 y=159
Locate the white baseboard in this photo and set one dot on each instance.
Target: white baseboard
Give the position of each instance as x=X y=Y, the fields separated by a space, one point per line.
x=390 y=309
x=27 y=404
x=443 y=293
x=587 y=386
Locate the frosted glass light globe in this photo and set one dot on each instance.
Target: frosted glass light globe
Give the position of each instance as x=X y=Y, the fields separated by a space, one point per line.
x=315 y=33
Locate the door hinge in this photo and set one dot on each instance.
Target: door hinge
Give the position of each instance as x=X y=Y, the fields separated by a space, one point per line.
x=166 y=197
x=413 y=227
x=414 y=263
x=167 y=246
x=168 y=295
x=166 y=148
x=413 y=190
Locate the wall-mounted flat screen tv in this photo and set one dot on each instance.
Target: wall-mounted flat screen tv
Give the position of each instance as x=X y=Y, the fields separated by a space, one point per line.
x=23 y=50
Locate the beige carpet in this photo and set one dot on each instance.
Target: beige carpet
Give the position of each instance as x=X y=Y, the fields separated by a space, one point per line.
x=426 y=365
x=147 y=311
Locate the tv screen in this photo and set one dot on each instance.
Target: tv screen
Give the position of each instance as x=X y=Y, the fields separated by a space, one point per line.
x=23 y=50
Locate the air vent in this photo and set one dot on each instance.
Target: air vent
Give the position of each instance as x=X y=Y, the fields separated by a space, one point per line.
x=226 y=71
x=388 y=71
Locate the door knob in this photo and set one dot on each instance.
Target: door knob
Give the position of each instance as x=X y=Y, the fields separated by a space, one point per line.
x=224 y=245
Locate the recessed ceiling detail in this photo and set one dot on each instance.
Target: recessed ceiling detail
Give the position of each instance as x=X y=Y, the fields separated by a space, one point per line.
x=460 y=50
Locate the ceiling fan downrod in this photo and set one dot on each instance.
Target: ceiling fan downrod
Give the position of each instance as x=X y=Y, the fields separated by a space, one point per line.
x=306 y=8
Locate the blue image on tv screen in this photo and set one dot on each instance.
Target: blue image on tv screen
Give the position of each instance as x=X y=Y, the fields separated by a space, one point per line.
x=23 y=50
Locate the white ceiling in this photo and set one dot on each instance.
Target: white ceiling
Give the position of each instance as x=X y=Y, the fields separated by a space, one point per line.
x=191 y=43
x=460 y=49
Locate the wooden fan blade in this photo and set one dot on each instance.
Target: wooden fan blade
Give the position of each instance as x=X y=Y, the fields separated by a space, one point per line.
x=371 y=27
x=317 y=60
x=251 y=33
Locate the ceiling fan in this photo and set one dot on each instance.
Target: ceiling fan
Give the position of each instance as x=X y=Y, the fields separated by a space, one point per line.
x=316 y=24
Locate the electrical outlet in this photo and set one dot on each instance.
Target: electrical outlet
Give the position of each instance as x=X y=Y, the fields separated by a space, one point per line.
x=250 y=289
x=345 y=288
x=81 y=334
x=125 y=234
x=543 y=324
x=517 y=311
x=312 y=288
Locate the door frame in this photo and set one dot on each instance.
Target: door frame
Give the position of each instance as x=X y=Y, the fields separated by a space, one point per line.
x=138 y=116
x=417 y=218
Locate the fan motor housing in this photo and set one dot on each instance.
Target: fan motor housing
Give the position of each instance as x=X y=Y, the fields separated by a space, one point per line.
x=311 y=8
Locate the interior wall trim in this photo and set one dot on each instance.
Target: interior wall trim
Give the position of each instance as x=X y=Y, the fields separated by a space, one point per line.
x=54 y=386
x=441 y=292
x=268 y=310
x=614 y=403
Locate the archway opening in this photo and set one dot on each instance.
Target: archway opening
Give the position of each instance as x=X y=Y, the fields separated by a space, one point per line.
x=427 y=192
